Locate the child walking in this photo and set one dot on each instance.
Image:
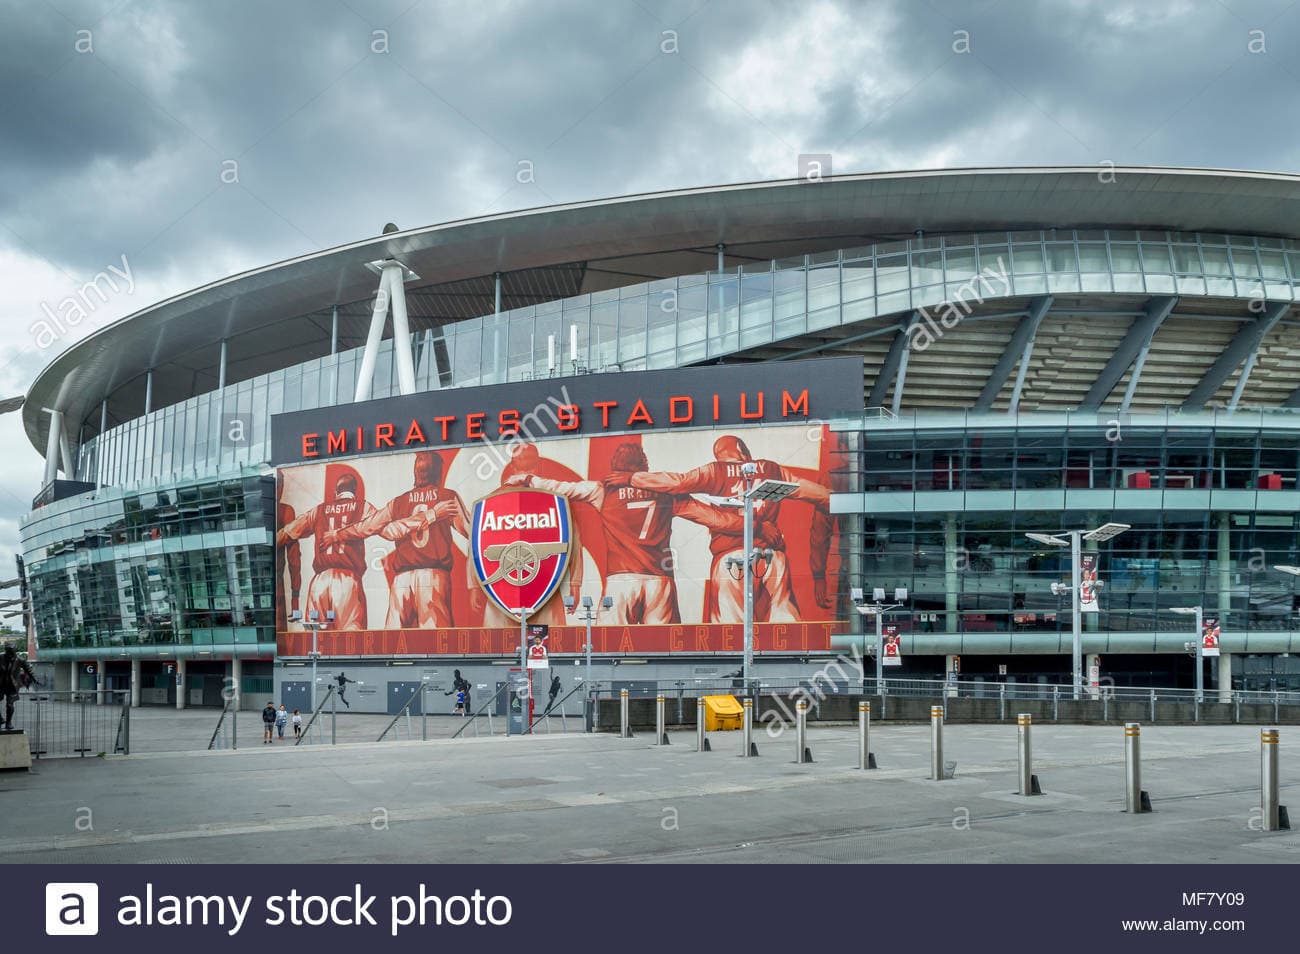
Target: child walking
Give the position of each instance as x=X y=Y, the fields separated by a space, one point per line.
x=297 y=724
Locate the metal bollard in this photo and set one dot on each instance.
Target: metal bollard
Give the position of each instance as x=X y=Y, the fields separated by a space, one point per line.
x=424 y=718
x=1002 y=702
x=936 y=743
x=1028 y=780
x=1275 y=815
x=1135 y=800
x=661 y=735
x=802 y=754
x=865 y=759
x=625 y=728
x=1056 y=703
x=1153 y=707
x=701 y=741
x=747 y=746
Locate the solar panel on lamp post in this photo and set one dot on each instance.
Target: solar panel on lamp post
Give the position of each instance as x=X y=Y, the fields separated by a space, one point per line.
x=1072 y=539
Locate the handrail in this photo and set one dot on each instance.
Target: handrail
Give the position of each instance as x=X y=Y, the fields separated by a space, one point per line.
x=212 y=742
x=405 y=708
x=312 y=721
x=481 y=710
x=561 y=702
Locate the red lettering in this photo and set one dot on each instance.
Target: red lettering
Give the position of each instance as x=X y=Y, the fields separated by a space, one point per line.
x=674 y=417
x=567 y=417
x=474 y=424
x=728 y=639
x=462 y=641
x=309 y=445
x=702 y=639
x=401 y=649
x=792 y=405
x=625 y=642
x=414 y=433
x=508 y=423
x=384 y=435
x=639 y=415
x=367 y=643
x=717 y=414
x=746 y=415
x=360 y=443
x=778 y=636
x=336 y=443
x=484 y=641
x=446 y=423
x=675 y=643
x=604 y=411
x=441 y=641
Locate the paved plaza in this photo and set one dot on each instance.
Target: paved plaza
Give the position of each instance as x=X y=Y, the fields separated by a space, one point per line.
x=585 y=798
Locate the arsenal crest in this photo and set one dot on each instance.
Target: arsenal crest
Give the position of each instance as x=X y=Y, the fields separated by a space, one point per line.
x=519 y=542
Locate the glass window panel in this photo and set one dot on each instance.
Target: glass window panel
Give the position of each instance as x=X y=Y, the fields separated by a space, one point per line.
x=823 y=288
x=1092 y=258
x=927 y=268
x=1155 y=258
x=1061 y=257
x=1187 y=260
x=1027 y=259
x=631 y=330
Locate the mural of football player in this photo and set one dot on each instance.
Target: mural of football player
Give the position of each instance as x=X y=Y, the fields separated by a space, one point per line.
x=338 y=567
x=637 y=524
x=722 y=478
x=419 y=569
x=288 y=556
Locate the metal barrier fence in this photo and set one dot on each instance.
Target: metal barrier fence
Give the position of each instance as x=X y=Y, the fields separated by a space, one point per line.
x=74 y=724
x=939 y=688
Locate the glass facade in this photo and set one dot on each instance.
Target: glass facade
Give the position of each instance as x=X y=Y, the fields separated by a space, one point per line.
x=1212 y=503
x=189 y=564
x=695 y=318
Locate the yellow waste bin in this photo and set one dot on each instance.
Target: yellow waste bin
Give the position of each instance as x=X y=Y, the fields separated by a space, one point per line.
x=722 y=713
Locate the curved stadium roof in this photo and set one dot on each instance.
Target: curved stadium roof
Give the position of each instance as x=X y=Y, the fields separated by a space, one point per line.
x=279 y=315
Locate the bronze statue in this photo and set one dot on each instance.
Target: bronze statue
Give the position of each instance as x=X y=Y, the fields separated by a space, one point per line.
x=15 y=674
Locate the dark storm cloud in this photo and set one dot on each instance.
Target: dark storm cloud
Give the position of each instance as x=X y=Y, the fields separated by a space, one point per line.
x=335 y=127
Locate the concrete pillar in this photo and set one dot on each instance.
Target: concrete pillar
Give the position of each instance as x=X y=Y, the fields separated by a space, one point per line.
x=1225 y=572
x=181 y=689
x=100 y=666
x=135 y=683
x=1225 y=677
x=951 y=580
x=236 y=677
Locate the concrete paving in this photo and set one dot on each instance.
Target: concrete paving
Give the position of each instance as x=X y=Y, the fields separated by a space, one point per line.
x=598 y=798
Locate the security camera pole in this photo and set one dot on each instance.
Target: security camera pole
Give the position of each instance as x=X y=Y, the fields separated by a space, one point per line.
x=764 y=490
x=877 y=608
x=1197 y=645
x=1107 y=531
x=315 y=625
x=588 y=615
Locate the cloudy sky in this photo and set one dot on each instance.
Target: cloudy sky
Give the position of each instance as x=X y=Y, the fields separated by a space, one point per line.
x=118 y=118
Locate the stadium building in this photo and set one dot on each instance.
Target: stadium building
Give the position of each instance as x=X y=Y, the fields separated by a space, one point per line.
x=1031 y=350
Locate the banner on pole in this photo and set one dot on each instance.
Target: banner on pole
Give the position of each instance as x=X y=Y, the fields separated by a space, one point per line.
x=893 y=651
x=1088 y=583
x=1210 y=637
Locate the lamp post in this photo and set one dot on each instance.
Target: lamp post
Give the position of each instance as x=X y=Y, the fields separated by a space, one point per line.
x=588 y=616
x=1198 y=644
x=877 y=608
x=1073 y=539
x=315 y=625
x=765 y=491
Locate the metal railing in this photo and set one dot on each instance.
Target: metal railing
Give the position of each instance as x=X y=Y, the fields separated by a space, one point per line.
x=218 y=740
x=67 y=724
x=1098 y=701
x=486 y=708
x=405 y=710
x=331 y=698
x=545 y=717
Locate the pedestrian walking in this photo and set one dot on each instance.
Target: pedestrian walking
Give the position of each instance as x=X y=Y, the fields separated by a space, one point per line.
x=297 y=724
x=460 y=703
x=268 y=723
x=281 y=720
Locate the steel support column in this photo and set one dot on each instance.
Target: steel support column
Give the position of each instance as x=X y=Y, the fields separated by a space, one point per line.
x=1017 y=352
x=893 y=359
x=1134 y=346
x=1244 y=344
